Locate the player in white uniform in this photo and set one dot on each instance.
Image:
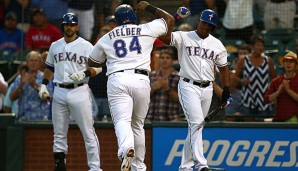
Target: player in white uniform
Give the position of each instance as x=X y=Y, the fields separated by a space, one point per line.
x=198 y=52
x=127 y=49
x=67 y=62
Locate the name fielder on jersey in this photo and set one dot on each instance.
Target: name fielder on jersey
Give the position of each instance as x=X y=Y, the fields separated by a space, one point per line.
x=125 y=31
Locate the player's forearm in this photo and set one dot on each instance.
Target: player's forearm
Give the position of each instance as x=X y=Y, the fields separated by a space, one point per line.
x=169 y=19
x=94 y=71
x=48 y=74
x=224 y=76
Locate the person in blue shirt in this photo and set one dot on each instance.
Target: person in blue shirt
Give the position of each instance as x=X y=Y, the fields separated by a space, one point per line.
x=25 y=89
x=11 y=38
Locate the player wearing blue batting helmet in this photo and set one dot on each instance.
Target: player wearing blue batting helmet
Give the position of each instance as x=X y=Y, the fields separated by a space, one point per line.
x=124 y=14
x=69 y=18
x=210 y=17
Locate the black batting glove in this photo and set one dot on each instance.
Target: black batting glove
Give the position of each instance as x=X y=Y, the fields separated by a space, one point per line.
x=225 y=95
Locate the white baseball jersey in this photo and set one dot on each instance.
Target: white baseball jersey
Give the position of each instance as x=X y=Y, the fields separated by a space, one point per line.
x=68 y=58
x=198 y=56
x=130 y=43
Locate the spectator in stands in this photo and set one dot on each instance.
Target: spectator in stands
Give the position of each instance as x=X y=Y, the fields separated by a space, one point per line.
x=41 y=34
x=84 y=10
x=20 y=8
x=111 y=21
x=53 y=9
x=254 y=72
x=164 y=104
x=196 y=7
x=279 y=14
x=283 y=90
x=238 y=20
x=44 y=53
x=242 y=51
x=26 y=87
x=185 y=27
x=3 y=89
x=13 y=106
x=11 y=38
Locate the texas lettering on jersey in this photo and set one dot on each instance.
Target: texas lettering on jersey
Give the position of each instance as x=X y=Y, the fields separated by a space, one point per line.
x=201 y=52
x=69 y=56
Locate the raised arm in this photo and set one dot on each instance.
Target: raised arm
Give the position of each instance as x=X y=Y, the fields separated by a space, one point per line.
x=160 y=13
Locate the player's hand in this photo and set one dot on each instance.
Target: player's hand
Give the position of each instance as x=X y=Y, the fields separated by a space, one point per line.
x=142 y=6
x=226 y=95
x=78 y=76
x=182 y=12
x=43 y=92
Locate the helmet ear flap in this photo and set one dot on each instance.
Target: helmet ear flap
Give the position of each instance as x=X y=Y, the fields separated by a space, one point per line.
x=124 y=14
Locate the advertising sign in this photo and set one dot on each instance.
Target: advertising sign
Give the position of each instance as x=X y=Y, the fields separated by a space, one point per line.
x=234 y=149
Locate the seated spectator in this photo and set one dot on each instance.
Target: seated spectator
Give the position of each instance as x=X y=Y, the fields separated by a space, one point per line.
x=3 y=89
x=41 y=34
x=11 y=38
x=13 y=106
x=54 y=9
x=279 y=14
x=283 y=90
x=164 y=105
x=26 y=87
x=254 y=72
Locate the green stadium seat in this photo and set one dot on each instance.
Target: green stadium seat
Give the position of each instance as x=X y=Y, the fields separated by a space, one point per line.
x=284 y=35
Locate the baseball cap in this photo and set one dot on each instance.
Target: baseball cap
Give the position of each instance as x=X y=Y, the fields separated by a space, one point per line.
x=38 y=10
x=11 y=15
x=291 y=55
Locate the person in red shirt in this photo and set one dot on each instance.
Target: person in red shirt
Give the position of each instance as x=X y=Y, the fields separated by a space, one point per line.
x=283 y=90
x=41 y=34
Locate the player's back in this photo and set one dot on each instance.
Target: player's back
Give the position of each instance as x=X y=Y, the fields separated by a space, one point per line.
x=128 y=46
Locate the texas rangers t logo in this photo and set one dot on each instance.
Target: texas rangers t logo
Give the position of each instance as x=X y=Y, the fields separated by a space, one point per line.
x=70 y=17
x=210 y=16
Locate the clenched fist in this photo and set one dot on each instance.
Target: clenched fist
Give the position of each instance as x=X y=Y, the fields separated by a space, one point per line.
x=182 y=12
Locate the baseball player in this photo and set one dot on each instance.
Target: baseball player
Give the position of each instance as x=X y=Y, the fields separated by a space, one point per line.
x=67 y=62
x=198 y=52
x=127 y=50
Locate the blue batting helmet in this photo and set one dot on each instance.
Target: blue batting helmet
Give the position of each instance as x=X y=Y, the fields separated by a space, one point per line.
x=69 y=18
x=124 y=14
x=209 y=16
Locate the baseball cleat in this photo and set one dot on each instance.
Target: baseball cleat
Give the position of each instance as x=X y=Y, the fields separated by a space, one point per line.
x=204 y=169
x=127 y=160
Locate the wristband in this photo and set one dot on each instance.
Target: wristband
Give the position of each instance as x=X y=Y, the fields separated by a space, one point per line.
x=177 y=17
x=45 y=82
x=151 y=8
x=87 y=73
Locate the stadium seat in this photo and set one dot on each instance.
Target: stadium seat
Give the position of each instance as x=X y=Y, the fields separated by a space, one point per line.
x=284 y=35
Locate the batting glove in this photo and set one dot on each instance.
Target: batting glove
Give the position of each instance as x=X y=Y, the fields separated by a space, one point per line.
x=43 y=92
x=182 y=12
x=77 y=76
x=226 y=95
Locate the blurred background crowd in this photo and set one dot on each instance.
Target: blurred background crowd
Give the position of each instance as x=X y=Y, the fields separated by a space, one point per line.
x=247 y=28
